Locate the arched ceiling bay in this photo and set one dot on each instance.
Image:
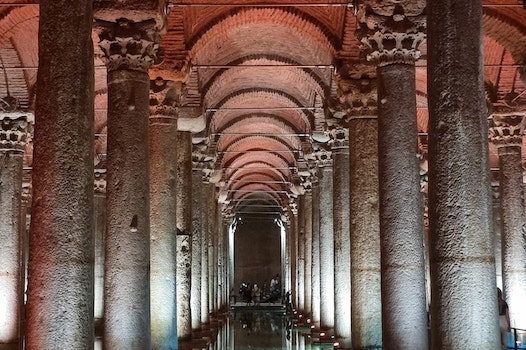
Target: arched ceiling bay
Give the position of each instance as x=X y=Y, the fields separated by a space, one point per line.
x=261 y=73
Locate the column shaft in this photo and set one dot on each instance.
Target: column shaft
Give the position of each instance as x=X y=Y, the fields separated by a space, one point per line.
x=401 y=219
x=163 y=174
x=127 y=269
x=463 y=296
x=60 y=276
x=308 y=252
x=206 y=192
x=300 y=285
x=512 y=238
x=326 y=248
x=342 y=246
x=197 y=208
x=11 y=231
x=184 y=233
x=315 y=267
x=365 y=234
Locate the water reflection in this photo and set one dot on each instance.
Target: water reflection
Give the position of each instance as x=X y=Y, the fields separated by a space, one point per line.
x=264 y=329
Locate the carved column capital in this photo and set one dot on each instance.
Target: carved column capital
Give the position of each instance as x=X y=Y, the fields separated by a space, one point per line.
x=100 y=181
x=339 y=138
x=356 y=82
x=505 y=130
x=320 y=157
x=128 y=45
x=15 y=130
x=165 y=97
x=391 y=32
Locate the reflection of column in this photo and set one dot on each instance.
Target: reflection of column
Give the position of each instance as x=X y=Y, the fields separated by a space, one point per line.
x=129 y=50
x=183 y=184
x=358 y=92
x=163 y=160
x=506 y=132
x=464 y=300
x=13 y=137
x=393 y=33
x=60 y=292
x=342 y=244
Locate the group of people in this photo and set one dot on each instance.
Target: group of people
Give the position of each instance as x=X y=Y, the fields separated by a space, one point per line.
x=255 y=294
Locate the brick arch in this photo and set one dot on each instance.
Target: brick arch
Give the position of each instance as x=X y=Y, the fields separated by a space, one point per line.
x=301 y=119
x=261 y=146
x=507 y=30
x=294 y=82
x=258 y=29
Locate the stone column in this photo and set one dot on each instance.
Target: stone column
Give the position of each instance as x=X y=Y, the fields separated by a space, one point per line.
x=293 y=212
x=506 y=130
x=14 y=128
x=463 y=300
x=206 y=193
x=60 y=292
x=129 y=48
x=357 y=87
x=315 y=265
x=212 y=253
x=100 y=235
x=326 y=240
x=300 y=285
x=164 y=96
x=197 y=229
x=393 y=33
x=183 y=186
x=342 y=240
x=307 y=179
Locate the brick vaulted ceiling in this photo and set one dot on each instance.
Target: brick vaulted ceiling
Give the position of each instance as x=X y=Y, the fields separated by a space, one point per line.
x=259 y=76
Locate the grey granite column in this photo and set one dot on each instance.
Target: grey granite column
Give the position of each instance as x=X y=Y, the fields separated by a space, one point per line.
x=129 y=49
x=300 y=285
x=358 y=93
x=308 y=250
x=393 y=33
x=60 y=276
x=183 y=184
x=315 y=266
x=197 y=229
x=463 y=300
x=100 y=235
x=14 y=128
x=342 y=237
x=506 y=130
x=163 y=174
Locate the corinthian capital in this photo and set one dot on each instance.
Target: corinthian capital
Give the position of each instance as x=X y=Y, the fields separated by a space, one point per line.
x=356 y=83
x=128 y=45
x=391 y=31
x=166 y=96
x=506 y=129
x=15 y=130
